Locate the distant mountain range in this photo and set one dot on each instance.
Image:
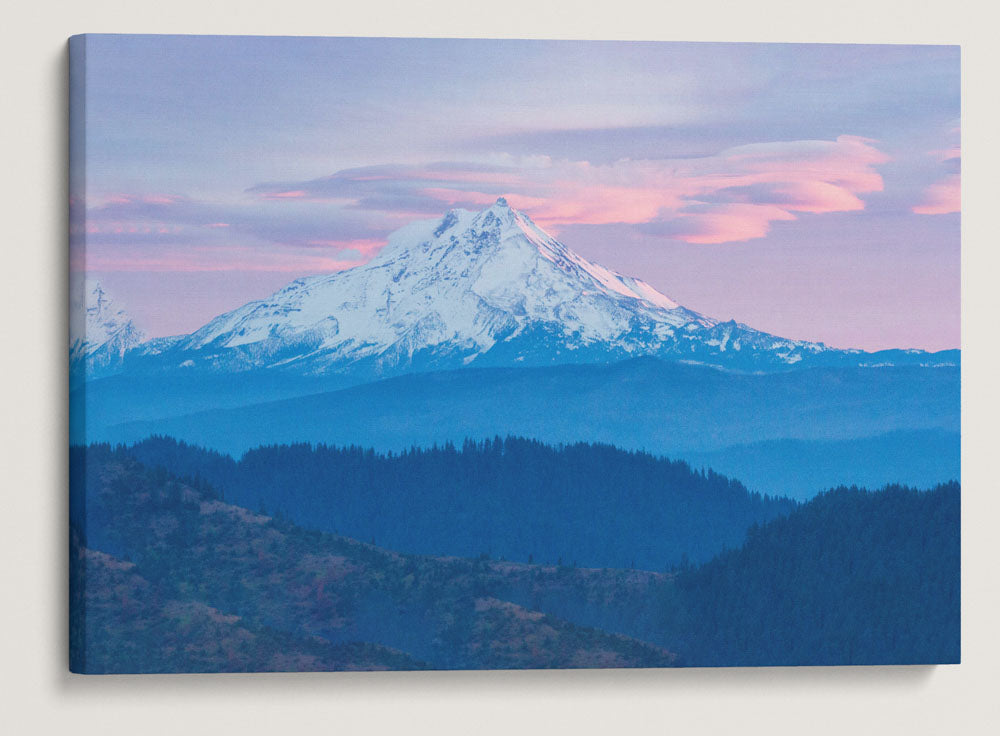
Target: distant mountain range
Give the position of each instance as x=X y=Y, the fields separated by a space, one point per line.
x=485 y=288
x=798 y=468
x=792 y=433
x=644 y=403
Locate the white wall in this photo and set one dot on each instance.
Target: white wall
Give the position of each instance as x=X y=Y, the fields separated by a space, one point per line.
x=37 y=694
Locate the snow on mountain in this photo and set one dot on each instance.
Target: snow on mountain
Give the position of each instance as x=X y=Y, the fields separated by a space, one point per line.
x=460 y=284
x=101 y=332
x=484 y=288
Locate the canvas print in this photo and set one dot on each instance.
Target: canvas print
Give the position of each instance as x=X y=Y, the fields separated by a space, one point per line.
x=401 y=354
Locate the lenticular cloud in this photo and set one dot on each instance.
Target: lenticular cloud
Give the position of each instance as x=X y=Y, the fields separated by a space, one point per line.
x=731 y=196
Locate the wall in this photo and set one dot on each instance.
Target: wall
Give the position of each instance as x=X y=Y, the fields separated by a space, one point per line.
x=39 y=696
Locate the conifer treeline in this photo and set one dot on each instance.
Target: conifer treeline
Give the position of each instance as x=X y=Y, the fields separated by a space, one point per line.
x=852 y=577
x=503 y=497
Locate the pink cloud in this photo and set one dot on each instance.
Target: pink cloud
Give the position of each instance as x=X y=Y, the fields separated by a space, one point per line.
x=820 y=197
x=942 y=198
x=730 y=223
x=737 y=192
x=733 y=196
x=947 y=153
x=211 y=258
x=131 y=199
x=123 y=227
x=945 y=195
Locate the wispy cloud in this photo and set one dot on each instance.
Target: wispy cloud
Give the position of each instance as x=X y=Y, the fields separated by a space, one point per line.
x=341 y=220
x=733 y=195
x=945 y=195
x=942 y=198
x=155 y=219
x=199 y=258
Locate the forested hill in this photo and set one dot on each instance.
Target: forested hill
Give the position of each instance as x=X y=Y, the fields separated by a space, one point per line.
x=165 y=577
x=852 y=577
x=168 y=577
x=512 y=498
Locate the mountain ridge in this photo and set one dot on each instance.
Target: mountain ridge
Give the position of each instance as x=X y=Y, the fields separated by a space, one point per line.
x=486 y=288
x=644 y=403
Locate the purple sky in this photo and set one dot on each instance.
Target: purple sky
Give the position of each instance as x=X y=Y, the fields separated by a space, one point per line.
x=807 y=190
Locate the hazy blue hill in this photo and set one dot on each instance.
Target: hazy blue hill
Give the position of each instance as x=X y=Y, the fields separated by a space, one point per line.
x=802 y=468
x=671 y=409
x=593 y=505
x=638 y=404
x=142 y=397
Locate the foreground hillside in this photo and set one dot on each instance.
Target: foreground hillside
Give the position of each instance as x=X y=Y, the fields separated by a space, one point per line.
x=203 y=580
x=593 y=505
x=167 y=576
x=121 y=622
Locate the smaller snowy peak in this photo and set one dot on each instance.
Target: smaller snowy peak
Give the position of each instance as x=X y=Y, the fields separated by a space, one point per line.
x=101 y=331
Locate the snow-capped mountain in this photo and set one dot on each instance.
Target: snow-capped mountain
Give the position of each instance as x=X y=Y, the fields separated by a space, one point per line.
x=472 y=288
x=101 y=332
x=485 y=288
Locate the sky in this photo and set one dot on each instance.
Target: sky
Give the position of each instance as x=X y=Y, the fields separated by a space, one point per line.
x=808 y=190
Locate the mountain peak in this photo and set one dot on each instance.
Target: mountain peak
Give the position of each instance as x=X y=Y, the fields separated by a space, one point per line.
x=502 y=210
x=488 y=287
x=101 y=331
